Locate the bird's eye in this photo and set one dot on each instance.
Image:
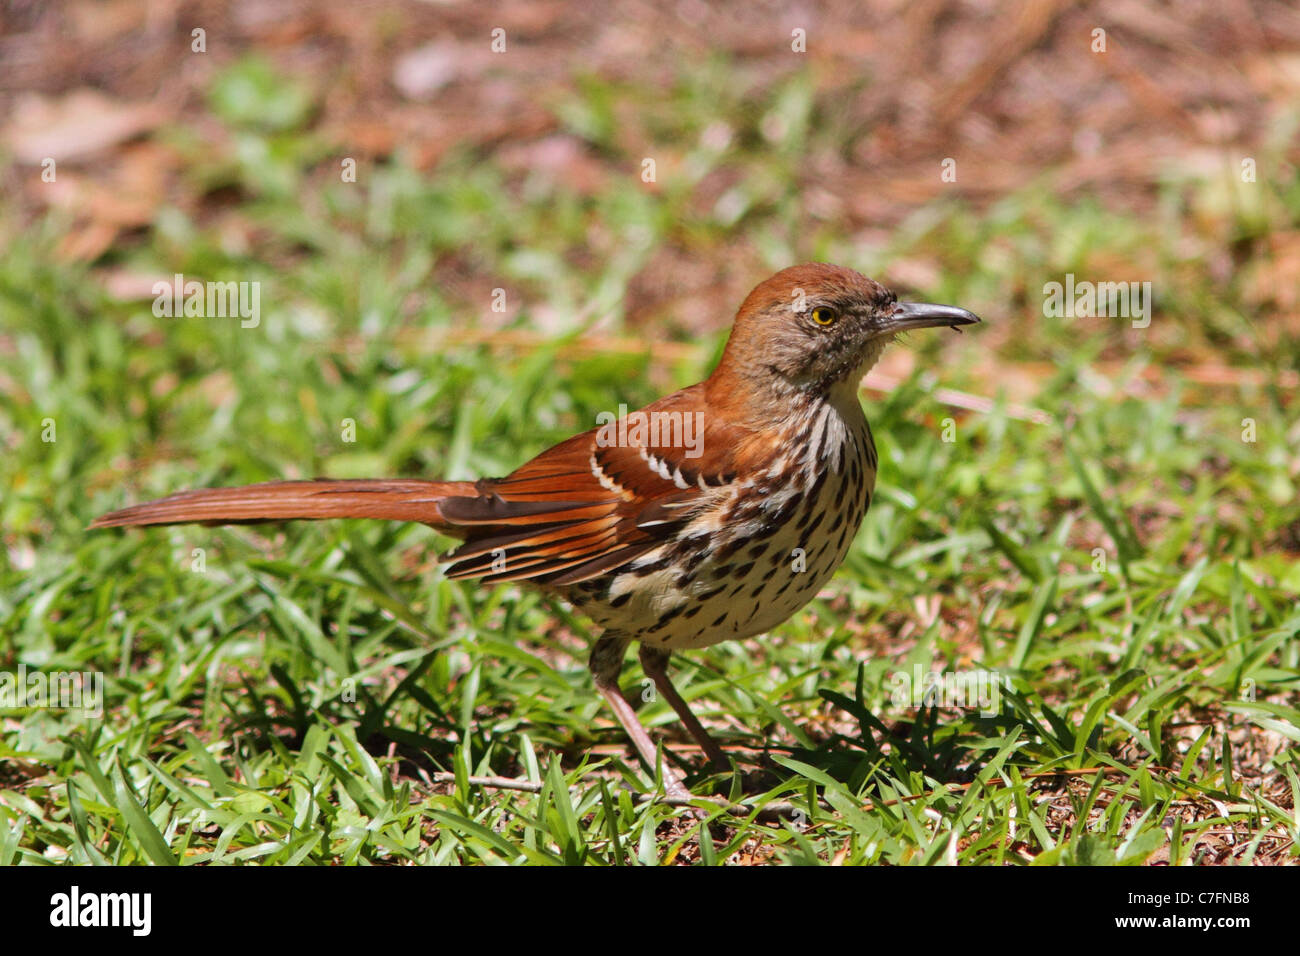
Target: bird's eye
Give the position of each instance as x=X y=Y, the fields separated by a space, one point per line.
x=824 y=316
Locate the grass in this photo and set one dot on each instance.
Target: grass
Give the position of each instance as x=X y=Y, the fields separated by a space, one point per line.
x=318 y=694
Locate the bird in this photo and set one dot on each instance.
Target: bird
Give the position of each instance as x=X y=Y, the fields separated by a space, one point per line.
x=712 y=514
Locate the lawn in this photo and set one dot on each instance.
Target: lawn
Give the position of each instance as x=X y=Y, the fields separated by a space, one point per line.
x=1095 y=518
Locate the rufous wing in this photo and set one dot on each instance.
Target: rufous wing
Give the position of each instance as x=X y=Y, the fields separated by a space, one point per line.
x=598 y=501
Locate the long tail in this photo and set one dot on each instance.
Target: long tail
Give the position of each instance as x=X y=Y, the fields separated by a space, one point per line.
x=396 y=499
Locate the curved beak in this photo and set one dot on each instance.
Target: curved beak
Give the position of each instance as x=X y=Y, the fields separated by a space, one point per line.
x=922 y=315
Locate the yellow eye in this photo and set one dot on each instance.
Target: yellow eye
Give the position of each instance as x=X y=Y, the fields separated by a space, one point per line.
x=823 y=316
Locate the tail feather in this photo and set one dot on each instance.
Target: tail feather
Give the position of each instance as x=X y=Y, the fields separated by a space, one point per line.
x=398 y=499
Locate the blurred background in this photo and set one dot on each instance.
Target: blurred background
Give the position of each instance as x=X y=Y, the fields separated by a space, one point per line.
x=476 y=226
x=523 y=168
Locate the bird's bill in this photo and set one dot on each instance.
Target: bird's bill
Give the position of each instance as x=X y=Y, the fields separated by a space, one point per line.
x=922 y=315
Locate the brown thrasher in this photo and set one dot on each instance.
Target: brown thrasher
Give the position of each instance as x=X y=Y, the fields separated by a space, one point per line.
x=713 y=513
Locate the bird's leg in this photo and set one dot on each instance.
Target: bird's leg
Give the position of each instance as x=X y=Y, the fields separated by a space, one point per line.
x=605 y=663
x=654 y=662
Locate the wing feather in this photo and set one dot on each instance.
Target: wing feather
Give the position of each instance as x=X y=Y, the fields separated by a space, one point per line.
x=589 y=505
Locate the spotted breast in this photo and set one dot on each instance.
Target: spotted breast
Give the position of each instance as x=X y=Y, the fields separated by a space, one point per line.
x=754 y=550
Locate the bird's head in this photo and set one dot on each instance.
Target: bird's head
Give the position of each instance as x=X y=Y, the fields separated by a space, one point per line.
x=812 y=327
